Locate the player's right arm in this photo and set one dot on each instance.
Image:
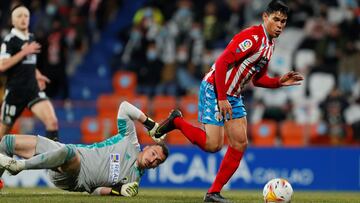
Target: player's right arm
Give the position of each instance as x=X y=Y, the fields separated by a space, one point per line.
x=7 y=60
x=239 y=47
x=127 y=190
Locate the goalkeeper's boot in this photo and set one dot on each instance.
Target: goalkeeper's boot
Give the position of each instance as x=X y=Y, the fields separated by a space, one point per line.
x=11 y=165
x=167 y=125
x=2 y=171
x=215 y=197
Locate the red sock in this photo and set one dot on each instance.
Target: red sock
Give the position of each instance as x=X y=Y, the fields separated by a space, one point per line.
x=196 y=135
x=227 y=168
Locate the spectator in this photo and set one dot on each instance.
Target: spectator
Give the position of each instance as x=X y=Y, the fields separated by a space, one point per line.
x=352 y=117
x=149 y=71
x=333 y=114
x=55 y=51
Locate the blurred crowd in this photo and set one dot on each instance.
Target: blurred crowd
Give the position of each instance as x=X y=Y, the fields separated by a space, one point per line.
x=171 y=45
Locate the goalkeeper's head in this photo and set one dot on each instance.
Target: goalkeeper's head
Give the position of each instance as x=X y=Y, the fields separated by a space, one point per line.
x=152 y=156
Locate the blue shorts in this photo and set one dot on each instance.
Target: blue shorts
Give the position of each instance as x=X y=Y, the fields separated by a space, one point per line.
x=209 y=109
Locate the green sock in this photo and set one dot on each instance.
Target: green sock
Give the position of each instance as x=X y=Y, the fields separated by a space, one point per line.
x=7 y=145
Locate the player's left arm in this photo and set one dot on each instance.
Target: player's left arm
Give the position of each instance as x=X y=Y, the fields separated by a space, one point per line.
x=127 y=190
x=261 y=79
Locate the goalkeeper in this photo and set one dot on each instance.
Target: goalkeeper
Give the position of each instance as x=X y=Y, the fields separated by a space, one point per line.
x=111 y=167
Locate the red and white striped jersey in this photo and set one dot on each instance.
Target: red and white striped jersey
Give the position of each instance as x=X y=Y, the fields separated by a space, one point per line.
x=248 y=53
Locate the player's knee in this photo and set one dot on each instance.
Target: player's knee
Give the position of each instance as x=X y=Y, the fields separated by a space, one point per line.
x=214 y=147
x=52 y=123
x=240 y=145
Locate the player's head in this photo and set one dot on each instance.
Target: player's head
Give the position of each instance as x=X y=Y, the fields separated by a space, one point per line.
x=152 y=156
x=20 y=17
x=275 y=17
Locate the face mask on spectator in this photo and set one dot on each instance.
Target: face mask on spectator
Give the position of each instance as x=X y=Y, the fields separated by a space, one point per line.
x=148 y=13
x=51 y=9
x=135 y=35
x=151 y=55
x=182 y=57
x=184 y=12
x=195 y=33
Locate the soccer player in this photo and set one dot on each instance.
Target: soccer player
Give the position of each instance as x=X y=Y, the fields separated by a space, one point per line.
x=111 y=167
x=24 y=82
x=221 y=107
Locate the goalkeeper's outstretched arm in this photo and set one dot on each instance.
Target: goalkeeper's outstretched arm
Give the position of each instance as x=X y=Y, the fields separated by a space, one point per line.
x=127 y=190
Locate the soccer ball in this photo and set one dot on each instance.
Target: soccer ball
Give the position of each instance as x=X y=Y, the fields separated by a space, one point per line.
x=277 y=190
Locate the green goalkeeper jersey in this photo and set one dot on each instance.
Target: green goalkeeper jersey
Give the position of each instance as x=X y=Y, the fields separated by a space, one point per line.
x=111 y=161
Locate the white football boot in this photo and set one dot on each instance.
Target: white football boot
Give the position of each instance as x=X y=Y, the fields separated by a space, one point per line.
x=11 y=165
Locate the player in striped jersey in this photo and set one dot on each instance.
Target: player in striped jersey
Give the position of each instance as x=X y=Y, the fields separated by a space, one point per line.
x=221 y=107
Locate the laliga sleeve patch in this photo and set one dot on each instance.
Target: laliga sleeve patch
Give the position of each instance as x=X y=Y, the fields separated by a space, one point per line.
x=245 y=45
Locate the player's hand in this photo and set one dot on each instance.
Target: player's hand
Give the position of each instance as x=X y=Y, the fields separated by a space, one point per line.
x=130 y=189
x=42 y=80
x=291 y=78
x=159 y=140
x=225 y=109
x=152 y=133
x=31 y=48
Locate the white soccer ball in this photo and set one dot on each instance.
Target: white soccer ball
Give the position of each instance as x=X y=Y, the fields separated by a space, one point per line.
x=277 y=190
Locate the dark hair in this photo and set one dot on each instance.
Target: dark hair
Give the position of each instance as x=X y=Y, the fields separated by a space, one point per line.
x=17 y=6
x=164 y=148
x=277 y=5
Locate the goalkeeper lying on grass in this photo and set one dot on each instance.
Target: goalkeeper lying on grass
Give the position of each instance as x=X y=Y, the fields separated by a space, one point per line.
x=111 y=167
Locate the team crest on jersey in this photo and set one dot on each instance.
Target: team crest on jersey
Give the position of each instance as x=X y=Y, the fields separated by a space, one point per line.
x=245 y=45
x=218 y=116
x=115 y=158
x=114 y=174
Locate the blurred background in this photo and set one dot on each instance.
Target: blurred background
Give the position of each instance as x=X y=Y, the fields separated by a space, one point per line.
x=154 y=53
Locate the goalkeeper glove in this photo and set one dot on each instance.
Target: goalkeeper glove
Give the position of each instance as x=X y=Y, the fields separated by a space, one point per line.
x=130 y=189
x=127 y=190
x=152 y=133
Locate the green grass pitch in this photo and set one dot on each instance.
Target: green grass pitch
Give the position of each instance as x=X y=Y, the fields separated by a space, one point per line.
x=37 y=195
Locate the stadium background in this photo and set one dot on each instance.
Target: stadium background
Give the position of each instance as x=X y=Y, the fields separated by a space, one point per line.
x=154 y=54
